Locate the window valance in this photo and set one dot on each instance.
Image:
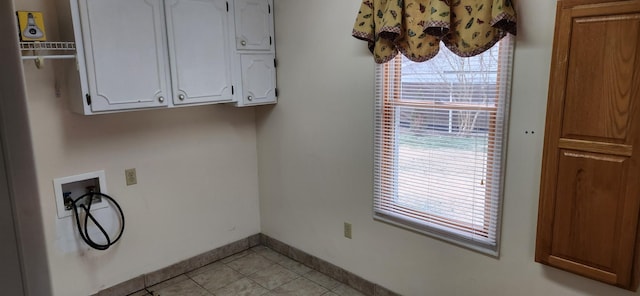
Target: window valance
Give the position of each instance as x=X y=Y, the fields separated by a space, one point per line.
x=416 y=27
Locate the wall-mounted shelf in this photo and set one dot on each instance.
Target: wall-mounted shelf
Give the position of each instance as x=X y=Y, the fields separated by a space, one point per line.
x=53 y=50
x=47 y=45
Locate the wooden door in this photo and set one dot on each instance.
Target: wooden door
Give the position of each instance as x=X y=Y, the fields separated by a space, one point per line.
x=258 y=79
x=199 y=46
x=125 y=52
x=590 y=186
x=253 y=25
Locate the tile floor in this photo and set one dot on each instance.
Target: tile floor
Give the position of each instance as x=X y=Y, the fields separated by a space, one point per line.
x=258 y=271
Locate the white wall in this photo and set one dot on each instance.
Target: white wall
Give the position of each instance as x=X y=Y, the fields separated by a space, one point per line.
x=315 y=163
x=197 y=178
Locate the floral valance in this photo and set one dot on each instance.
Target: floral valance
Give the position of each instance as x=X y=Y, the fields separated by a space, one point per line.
x=416 y=27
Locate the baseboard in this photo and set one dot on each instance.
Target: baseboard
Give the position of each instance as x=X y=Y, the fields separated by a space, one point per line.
x=147 y=280
x=346 y=277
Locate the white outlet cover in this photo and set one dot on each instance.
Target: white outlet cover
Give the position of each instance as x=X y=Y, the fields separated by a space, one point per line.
x=77 y=191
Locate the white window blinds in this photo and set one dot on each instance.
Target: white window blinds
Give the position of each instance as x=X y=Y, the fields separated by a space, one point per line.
x=440 y=144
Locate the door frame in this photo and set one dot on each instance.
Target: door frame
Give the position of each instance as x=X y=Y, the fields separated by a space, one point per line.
x=25 y=268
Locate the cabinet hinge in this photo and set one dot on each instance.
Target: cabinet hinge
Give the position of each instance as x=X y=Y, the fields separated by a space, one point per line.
x=88 y=97
x=277 y=92
x=227 y=6
x=232 y=90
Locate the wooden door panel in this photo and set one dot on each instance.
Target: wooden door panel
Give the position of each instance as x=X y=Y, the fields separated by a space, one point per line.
x=589 y=201
x=602 y=56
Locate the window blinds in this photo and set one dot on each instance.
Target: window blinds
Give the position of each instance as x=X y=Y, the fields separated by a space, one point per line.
x=440 y=144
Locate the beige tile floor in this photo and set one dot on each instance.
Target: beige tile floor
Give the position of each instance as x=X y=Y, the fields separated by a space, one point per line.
x=258 y=271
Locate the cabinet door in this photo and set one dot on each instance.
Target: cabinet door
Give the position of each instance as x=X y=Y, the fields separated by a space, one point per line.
x=198 y=34
x=125 y=52
x=254 y=27
x=258 y=79
x=590 y=188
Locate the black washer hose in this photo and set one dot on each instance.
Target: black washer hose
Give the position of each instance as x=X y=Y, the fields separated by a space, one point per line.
x=84 y=233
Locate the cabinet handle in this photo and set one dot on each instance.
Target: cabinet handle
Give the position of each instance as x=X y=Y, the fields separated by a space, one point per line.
x=250 y=98
x=181 y=97
x=243 y=43
x=161 y=99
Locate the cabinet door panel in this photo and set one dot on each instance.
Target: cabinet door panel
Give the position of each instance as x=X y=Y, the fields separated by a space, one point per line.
x=598 y=95
x=258 y=79
x=198 y=33
x=253 y=24
x=125 y=53
x=589 y=204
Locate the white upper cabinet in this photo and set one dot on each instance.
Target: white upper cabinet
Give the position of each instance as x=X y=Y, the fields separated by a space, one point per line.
x=140 y=54
x=199 y=47
x=255 y=52
x=258 y=79
x=125 y=52
x=254 y=25
x=144 y=54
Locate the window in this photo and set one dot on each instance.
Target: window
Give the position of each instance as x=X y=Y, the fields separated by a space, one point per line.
x=440 y=144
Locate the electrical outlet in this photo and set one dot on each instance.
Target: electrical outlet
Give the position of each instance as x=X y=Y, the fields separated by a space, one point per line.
x=347 y=230
x=130 y=175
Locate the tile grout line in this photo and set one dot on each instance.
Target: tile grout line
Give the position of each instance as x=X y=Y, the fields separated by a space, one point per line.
x=274 y=263
x=198 y=284
x=248 y=276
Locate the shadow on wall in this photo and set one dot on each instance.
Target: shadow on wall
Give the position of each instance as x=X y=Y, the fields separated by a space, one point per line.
x=582 y=285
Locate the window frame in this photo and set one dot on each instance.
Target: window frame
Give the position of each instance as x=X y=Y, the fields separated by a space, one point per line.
x=388 y=85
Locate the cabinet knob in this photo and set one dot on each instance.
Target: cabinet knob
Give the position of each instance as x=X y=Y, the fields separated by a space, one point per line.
x=243 y=43
x=161 y=99
x=250 y=98
x=181 y=97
